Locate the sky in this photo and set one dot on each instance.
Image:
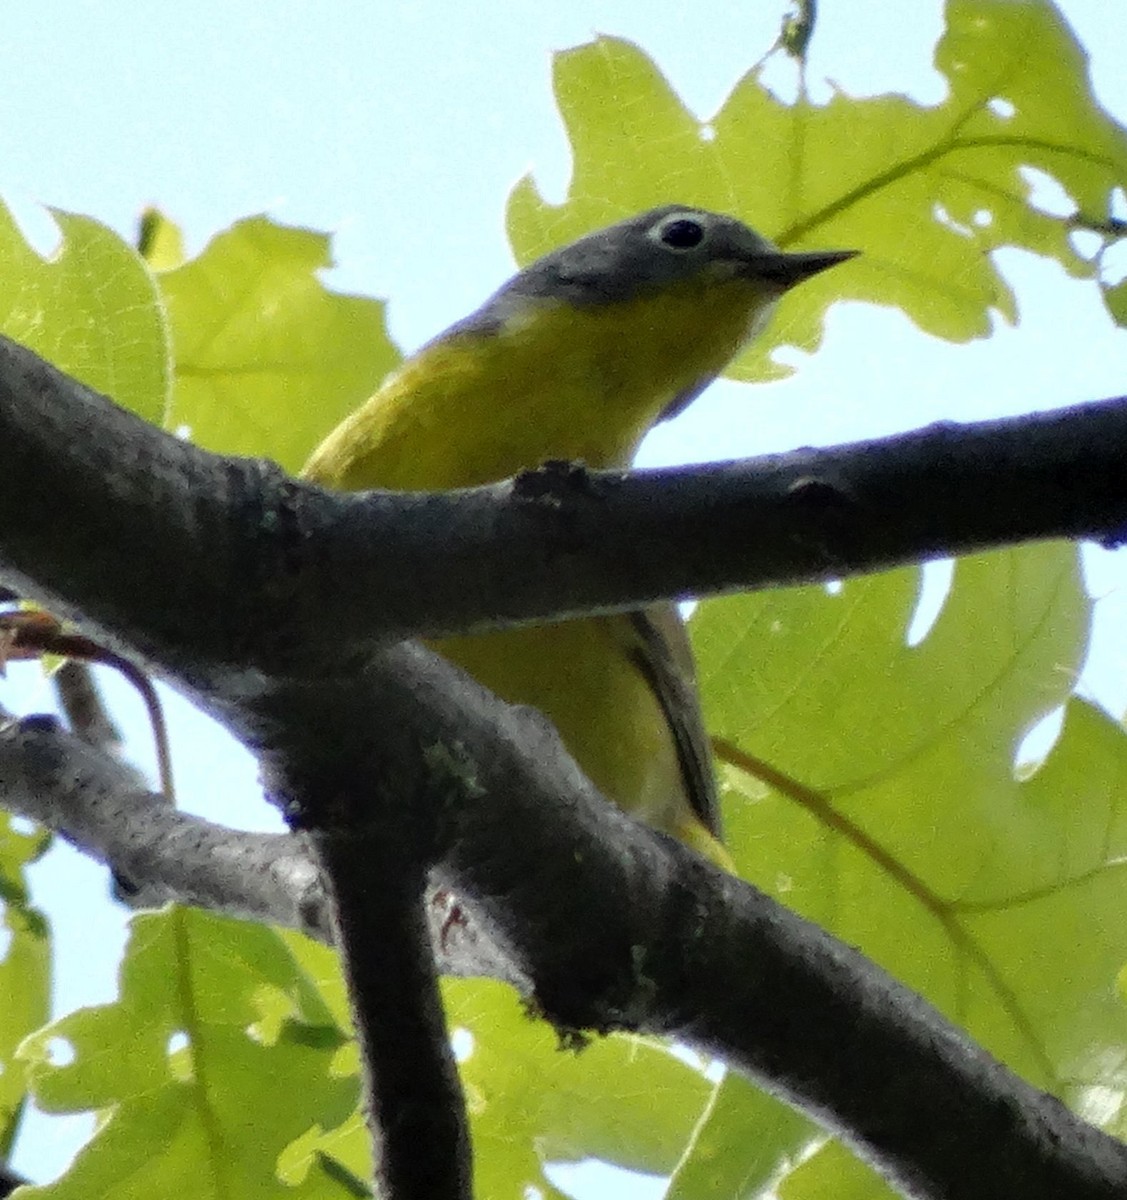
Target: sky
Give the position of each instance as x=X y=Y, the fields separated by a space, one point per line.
x=401 y=127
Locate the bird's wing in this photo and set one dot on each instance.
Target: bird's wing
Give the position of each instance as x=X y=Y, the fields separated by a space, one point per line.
x=664 y=656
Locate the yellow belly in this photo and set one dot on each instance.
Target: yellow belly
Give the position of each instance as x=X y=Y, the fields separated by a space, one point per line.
x=580 y=674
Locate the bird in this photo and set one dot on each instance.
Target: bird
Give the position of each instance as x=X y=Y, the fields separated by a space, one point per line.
x=576 y=358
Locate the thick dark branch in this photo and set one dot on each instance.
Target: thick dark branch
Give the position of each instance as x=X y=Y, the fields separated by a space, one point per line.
x=562 y=541
x=620 y=928
x=930 y=1111
x=117 y=507
x=284 y=573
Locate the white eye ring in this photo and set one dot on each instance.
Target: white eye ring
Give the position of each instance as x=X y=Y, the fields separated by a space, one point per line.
x=681 y=233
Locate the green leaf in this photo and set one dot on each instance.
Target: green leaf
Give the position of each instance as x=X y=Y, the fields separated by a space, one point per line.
x=217 y=1055
x=25 y=970
x=926 y=192
x=834 y=1174
x=723 y=1160
x=268 y=360
x=625 y=1100
x=992 y=891
x=90 y=309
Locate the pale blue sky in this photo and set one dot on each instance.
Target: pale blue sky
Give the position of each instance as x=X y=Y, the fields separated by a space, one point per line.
x=401 y=127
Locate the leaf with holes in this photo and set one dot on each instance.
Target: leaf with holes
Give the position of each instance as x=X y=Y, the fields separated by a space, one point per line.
x=216 y=1056
x=927 y=193
x=900 y=821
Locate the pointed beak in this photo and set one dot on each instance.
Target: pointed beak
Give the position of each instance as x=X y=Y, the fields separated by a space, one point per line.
x=784 y=270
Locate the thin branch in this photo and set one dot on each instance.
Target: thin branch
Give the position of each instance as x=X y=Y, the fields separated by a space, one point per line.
x=32 y=635
x=96 y=802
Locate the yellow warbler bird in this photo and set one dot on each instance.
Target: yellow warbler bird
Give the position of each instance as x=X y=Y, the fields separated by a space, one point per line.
x=577 y=357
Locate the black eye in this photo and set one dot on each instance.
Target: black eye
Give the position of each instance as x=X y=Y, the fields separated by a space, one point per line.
x=682 y=234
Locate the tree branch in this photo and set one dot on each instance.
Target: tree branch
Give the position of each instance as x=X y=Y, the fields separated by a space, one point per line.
x=563 y=541
x=618 y=927
x=286 y=574
x=98 y=804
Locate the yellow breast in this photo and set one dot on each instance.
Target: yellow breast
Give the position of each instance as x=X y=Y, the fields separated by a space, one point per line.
x=553 y=382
